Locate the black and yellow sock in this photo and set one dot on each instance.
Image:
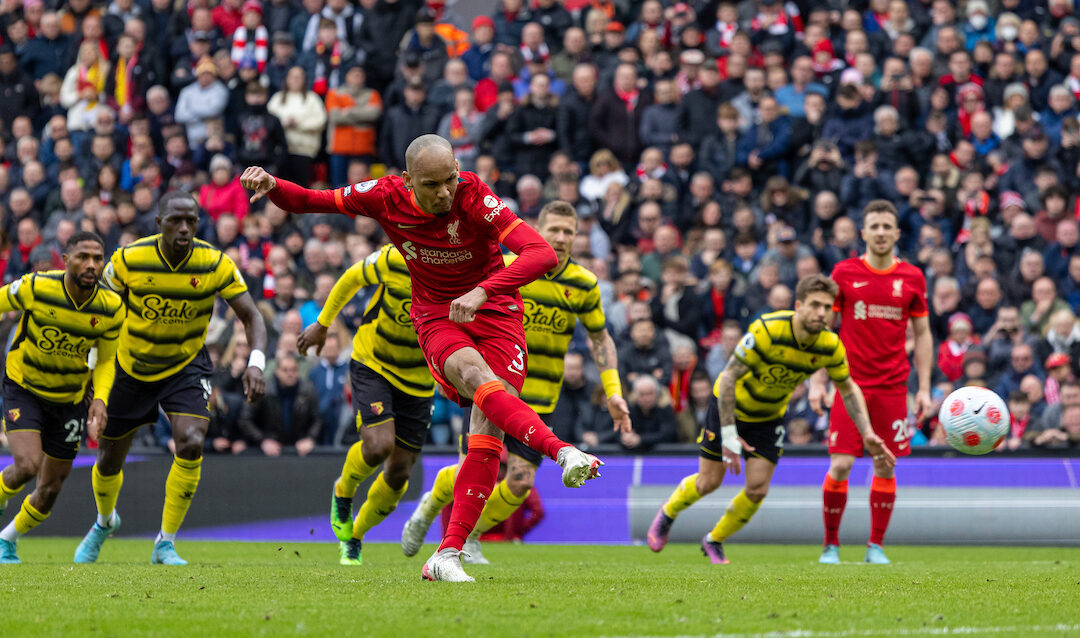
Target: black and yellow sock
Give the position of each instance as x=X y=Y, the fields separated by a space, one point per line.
x=442 y=492
x=685 y=495
x=106 y=492
x=28 y=517
x=500 y=506
x=353 y=472
x=381 y=501
x=179 y=490
x=738 y=513
x=7 y=492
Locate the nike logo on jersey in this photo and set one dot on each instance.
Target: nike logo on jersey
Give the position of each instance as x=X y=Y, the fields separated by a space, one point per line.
x=860 y=284
x=407 y=226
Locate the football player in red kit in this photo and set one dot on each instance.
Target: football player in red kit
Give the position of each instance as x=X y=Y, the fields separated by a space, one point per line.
x=465 y=307
x=879 y=293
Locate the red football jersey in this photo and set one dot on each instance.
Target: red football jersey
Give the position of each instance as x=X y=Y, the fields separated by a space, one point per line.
x=447 y=255
x=874 y=307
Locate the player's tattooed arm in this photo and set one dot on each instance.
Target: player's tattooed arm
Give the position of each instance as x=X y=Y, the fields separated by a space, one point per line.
x=855 y=404
x=856 y=407
x=606 y=358
x=734 y=370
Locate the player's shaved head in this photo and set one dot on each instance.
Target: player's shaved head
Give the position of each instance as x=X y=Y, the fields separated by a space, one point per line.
x=431 y=173
x=420 y=148
x=170 y=200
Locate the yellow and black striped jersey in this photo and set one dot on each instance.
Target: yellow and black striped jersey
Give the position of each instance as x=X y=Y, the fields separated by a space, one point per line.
x=778 y=364
x=54 y=336
x=169 y=307
x=386 y=342
x=553 y=305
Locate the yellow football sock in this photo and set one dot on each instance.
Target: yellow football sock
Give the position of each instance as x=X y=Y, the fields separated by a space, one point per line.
x=442 y=492
x=7 y=492
x=28 y=517
x=106 y=490
x=353 y=472
x=179 y=490
x=381 y=501
x=684 y=496
x=738 y=513
x=500 y=506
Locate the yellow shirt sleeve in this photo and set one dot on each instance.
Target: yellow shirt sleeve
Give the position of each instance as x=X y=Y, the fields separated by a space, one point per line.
x=364 y=273
x=230 y=281
x=753 y=344
x=591 y=312
x=18 y=295
x=105 y=367
x=115 y=274
x=837 y=366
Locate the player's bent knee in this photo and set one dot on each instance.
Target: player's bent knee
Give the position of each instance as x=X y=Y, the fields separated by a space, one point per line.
x=840 y=467
x=757 y=494
x=48 y=492
x=26 y=468
x=707 y=483
x=397 y=474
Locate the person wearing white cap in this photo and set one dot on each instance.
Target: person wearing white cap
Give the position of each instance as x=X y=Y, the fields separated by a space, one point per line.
x=980 y=24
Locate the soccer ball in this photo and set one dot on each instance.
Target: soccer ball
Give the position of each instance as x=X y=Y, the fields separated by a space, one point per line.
x=976 y=420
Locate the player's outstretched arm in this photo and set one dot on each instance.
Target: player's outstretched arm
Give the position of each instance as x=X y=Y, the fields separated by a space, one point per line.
x=607 y=361
x=924 y=363
x=290 y=197
x=255 y=329
x=855 y=404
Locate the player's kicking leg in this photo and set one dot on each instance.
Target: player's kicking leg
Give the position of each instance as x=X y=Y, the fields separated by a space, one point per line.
x=741 y=509
x=107 y=477
x=691 y=489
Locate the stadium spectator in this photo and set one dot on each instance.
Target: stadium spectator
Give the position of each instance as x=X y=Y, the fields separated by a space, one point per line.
x=289 y=413
x=651 y=414
x=303 y=117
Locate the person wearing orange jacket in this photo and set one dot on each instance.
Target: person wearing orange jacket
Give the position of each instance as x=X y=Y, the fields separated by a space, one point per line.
x=352 y=112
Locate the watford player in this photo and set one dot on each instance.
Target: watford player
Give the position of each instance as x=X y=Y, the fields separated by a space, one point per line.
x=66 y=314
x=878 y=295
x=168 y=282
x=466 y=309
x=553 y=305
x=780 y=351
x=392 y=391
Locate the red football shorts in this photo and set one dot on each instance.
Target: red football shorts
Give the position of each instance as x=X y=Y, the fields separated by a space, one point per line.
x=500 y=339
x=888 y=416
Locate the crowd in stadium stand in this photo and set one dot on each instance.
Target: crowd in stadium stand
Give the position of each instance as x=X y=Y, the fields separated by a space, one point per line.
x=716 y=152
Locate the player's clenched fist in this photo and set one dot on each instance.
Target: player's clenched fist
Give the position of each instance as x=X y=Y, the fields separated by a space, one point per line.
x=256 y=179
x=463 y=309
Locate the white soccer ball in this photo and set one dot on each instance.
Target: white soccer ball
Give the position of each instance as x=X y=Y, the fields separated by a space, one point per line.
x=976 y=420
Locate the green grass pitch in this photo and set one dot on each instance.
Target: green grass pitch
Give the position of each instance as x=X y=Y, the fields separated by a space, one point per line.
x=298 y=589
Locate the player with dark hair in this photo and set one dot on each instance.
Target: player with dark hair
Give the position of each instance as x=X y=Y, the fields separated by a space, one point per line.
x=878 y=294
x=553 y=305
x=169 y=282
x=779 y=351
x=66 y=316
x=466 y=309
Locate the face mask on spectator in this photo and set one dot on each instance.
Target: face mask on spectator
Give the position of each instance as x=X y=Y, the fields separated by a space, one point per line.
x=1009 y=32
x=978 y=21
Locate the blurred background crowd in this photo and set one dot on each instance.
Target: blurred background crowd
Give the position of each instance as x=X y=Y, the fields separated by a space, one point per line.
x=716 y=152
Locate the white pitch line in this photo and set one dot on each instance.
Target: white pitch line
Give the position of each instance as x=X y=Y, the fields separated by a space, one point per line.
x=639 y=464
x=922 y=631
x=1069 y=472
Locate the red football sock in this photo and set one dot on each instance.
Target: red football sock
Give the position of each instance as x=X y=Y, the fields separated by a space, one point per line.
x=475 y=479
x=513 y=416
x=835 y=500
x=882 y=497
